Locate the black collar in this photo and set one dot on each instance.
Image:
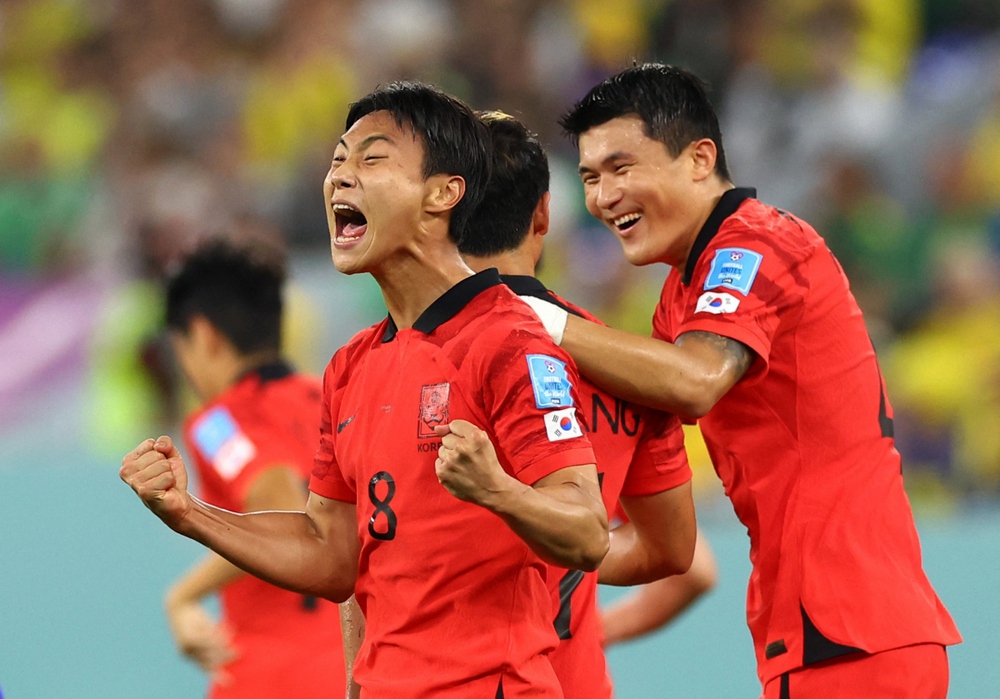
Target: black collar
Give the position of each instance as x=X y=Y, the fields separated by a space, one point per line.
x=271 y=371
x=726 y=207
x=448 y=304
x=530 y=286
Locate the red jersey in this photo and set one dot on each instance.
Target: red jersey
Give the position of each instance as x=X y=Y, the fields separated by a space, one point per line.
x=639 y=452
x=803 y=443
x=455 y=603
x=269 y=418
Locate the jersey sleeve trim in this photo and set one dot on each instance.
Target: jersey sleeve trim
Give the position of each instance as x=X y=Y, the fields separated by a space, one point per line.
x=332 y=491
x=550 y=463
x=659 y=483
x=755 y=341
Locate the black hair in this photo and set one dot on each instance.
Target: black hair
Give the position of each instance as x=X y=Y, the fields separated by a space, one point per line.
x=238 y=289
x=672 y=103
x=455 y=140
x=520 y=177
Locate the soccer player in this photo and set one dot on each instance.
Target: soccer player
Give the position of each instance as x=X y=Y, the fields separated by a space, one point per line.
x=440 y=528
x=640 y=452
x=252 y=442
x=758 y=336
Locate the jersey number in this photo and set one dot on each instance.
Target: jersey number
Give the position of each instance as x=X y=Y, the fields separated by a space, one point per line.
x=382 y=507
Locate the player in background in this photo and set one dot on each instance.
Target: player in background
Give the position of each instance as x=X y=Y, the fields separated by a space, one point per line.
x=252 y=442
x=440 y=528
x=759 y=338
x=640 y=452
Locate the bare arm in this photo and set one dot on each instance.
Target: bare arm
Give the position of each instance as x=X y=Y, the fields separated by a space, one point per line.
x=657 y=541
x=314 y=552
x=657 y=603
x=687 y=377
x=352 y=628
x=561 y=517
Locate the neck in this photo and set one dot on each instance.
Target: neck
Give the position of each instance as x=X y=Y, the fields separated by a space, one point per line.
x=510 y=262
x=704 y=205
x=412 y=282
x=230 y=368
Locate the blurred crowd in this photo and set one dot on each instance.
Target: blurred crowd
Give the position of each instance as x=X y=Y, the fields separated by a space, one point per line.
x=130 y=129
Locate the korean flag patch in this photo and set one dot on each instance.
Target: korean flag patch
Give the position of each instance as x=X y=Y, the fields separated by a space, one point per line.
x=549 y=381
x=220 y=439
x=711 y=302
x=562 y=424
x=734 y=268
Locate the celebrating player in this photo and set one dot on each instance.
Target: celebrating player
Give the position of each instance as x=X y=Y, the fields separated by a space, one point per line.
x=758 y=335
x=252 y=442
x=640 y=452
x=439 y=527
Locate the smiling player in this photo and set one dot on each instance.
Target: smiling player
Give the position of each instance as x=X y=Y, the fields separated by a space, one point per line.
x=758 y=336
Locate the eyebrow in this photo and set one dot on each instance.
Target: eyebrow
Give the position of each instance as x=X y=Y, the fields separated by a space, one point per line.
x=617 y=155
x=366 y=141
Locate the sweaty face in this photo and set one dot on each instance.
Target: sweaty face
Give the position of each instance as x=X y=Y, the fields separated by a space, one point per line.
x=637 y=189
x=374 y=192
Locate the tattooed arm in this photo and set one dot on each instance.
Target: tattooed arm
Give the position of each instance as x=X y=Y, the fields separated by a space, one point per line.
x=687 y=377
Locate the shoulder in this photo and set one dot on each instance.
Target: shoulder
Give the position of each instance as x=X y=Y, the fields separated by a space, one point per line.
x=338 y=370
x=574 y=309
x=763 y=228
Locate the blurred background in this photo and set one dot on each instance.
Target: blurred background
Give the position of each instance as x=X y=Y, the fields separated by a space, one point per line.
x=131 y=129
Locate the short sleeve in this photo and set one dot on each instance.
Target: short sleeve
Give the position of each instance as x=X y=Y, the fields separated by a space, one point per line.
x=327 y=479
x=660 y=462
x=530 y=399
x=742 y=287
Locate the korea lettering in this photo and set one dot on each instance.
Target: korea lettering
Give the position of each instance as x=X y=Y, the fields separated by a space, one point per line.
x=734 y=268
x=223 y=443
x=549 y=381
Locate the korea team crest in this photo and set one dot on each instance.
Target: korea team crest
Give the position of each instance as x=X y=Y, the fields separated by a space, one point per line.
x=433 y=408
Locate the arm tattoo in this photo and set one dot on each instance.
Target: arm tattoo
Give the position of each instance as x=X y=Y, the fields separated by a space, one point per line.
x=738 y=357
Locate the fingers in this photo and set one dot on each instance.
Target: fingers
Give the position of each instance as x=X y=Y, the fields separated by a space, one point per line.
x=165 y=446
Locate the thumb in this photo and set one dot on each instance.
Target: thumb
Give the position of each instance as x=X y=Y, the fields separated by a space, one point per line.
x=442 y=430
x=461 y=428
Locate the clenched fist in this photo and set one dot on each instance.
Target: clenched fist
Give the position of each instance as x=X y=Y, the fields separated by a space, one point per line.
x=467 y=464
x=156 y=472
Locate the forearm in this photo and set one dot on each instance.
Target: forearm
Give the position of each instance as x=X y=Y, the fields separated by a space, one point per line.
x=643 y=370
x=283 y=548
x=562 y=523
x=628 y=561
x=207 y=577
x=646 y=609
x=352 y=628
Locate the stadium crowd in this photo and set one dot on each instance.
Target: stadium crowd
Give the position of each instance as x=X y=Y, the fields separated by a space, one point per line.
x=128 y=130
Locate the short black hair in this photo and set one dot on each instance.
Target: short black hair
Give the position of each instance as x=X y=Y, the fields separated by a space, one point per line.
x=520 y=177
x=237 y=288
x=672 y=103
x=455 y=140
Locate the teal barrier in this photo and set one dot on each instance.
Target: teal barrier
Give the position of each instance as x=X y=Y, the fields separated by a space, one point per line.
x=84 y=567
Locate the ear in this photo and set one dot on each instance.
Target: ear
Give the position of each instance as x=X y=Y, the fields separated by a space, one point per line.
x=703 y=156
x=540 y=218
x=443 y=193
x=204 y=335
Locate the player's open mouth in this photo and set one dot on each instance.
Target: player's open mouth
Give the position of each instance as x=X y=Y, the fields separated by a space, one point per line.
x=351 y=224
x=623 y=223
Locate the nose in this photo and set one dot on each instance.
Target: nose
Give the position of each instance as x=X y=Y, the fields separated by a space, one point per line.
x=341 y=176
x=607 y=193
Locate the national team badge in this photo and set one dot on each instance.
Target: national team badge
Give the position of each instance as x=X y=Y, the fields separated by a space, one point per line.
x=562 y=424
x=734 y=268
x=549 y=381
x=223 y=443
x=711 y=302
x=433 y=408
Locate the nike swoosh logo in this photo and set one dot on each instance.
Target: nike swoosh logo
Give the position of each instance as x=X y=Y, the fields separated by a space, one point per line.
x=345 y=423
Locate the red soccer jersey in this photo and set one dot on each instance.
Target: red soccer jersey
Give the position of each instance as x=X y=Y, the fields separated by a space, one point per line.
x=803 y=443
x=639 y=452
x=455 y=602
x=268 y=418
